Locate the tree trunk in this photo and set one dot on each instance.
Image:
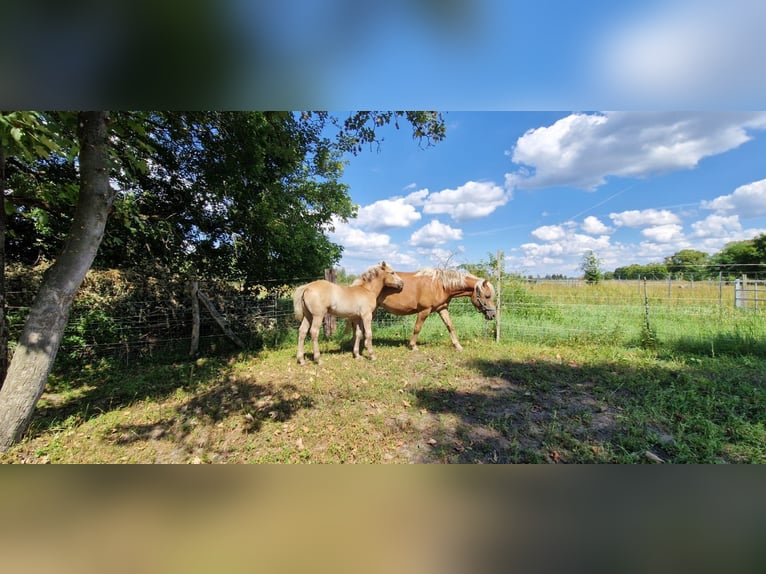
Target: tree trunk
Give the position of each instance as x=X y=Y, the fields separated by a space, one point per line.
x=3 y=295
x=39 y=342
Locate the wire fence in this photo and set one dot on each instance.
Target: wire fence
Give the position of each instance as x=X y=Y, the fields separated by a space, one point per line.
x=148 y=317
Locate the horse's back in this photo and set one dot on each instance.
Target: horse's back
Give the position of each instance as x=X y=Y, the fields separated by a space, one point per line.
x=419 y=292
x=321 y=297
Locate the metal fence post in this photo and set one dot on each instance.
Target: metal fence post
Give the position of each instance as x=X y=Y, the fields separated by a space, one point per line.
x=497 y=294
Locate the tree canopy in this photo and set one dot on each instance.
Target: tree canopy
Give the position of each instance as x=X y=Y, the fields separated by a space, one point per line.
x=234 y=195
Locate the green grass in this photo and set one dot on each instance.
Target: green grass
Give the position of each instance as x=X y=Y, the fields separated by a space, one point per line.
x=567 y=382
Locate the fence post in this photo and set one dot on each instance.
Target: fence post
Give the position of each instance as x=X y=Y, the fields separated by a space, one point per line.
x=738 y=295
x=720 y=290
x=194 y=289
x=330 y=323
x=497 y=294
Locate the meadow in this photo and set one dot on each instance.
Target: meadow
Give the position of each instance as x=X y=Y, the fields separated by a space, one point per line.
x=607 y=373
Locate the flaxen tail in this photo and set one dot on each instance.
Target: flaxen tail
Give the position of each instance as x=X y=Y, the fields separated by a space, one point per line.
x=298 y=302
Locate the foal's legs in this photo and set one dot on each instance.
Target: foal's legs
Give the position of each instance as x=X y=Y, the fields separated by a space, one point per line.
x=357 y=324
x=444 y=314
x=302 y=330
x=316 y=325
x=367 y=326
x=310 y=324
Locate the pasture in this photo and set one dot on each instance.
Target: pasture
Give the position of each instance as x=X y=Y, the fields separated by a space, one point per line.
x=579 y=374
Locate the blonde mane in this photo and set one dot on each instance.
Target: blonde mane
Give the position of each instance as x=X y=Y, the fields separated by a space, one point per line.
x=449 y=278
x=368 y=275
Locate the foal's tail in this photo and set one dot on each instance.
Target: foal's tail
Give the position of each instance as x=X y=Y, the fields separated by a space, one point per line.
x=298 y=302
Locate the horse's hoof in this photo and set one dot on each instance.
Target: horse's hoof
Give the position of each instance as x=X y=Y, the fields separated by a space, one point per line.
x=459 y=348
x=301 y=362
x=372 y=357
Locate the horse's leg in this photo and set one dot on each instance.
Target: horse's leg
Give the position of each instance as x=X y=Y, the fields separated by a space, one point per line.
x=316 y=325
x=418 y=326
x=302 y=330
x=357 y=336
x=444 y=314
x=367 y=323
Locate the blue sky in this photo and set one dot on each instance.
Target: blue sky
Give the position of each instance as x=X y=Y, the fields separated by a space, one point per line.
x=508 y=54
x=634 y=185
x=545 y=187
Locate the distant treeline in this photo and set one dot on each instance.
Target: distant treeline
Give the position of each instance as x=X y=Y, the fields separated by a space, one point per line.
x=746 y=257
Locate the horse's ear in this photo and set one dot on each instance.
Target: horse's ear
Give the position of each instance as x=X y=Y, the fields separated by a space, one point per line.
x=383 y=264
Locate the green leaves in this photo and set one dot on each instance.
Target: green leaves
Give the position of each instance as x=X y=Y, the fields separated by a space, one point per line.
x=27 y=134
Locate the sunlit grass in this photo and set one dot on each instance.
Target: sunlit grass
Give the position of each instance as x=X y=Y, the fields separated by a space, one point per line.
x=570 y=380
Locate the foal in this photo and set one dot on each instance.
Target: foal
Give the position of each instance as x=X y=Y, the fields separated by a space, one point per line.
x=356 y=302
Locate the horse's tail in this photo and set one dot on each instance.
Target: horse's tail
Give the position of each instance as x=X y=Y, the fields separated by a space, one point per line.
x=298 y=302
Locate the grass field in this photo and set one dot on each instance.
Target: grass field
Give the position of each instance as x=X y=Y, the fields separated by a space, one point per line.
x=579 y=375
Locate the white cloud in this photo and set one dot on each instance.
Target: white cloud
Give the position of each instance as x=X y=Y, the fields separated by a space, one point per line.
x=646 y=217
x=562 y=240
x=386 y=214
x=416 y=197
x=663 y=233
x=716 y=226
x=355 y=241
x=582 y=150
x=549 y=232
x=594 y=226
x=435 y=233
x=746 y=201
x=691 y=54
x=471 y=200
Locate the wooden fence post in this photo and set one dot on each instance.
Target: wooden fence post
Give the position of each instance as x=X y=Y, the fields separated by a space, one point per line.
x=219 y=319
x=194 y=289
x=330 y=322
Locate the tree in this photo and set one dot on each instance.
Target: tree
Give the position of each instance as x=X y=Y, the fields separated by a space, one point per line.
x=737 y=257
x=40 y=339
x=590 y=267
x=23 y=135
x=191 y=158
x=245 y=196
x=688 y=264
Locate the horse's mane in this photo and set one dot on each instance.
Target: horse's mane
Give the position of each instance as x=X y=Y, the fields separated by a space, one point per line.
x=368 y=275
x=450 y=278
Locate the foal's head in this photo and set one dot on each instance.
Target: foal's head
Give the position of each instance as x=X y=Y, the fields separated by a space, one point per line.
x=386 y=274
x=390 y=278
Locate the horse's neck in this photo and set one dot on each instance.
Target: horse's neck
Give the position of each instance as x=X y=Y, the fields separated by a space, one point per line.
x=467 y=289
x=374 y=286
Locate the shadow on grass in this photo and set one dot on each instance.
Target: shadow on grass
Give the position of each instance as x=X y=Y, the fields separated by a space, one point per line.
x=75 y=397
x=703 y=411
x=246 y=403
x=524 y=413
x=720 y=345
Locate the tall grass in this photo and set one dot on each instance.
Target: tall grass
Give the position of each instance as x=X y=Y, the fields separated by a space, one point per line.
x=697 y=318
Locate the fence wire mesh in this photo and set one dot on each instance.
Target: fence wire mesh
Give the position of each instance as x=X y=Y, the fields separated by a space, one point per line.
x=135 y=317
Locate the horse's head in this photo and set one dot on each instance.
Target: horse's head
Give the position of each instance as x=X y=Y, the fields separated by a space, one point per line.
x=483 y=298
x=390 y=278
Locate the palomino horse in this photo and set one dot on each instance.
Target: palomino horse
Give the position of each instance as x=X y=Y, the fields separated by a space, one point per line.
x=356 y=302
x=429 y=290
